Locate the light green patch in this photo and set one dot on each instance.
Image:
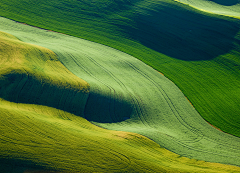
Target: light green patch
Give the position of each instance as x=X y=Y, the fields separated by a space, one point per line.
x=123 y=87
x=30 y=74
x=227 y=8
x=35 y=137
x=38 y=138
x=183 y=42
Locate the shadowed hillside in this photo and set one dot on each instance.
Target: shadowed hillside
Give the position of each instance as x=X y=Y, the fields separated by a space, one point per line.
x=163 y=34
x=38 y=138
x=166 y=27
x=159 y=110
x=33 y=74
x=221 y=7
x=41 y=139
x=226 y=2
x=196 y=47
x=182 y=34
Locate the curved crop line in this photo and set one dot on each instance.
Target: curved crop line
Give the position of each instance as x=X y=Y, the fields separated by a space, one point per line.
x=108 y=86
x=112 y=95
x=168 y=100
x=171 y=136
x=126 y=20
x=194 y=130
x=139 y=108
x=133 y=98
x=129 y=162
x=227 y=12
x=209 y=152
x=177 y=115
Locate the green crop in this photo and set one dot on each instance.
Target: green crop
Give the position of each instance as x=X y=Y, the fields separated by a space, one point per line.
x=38 y=138
x=197 y=50
x=124 y=88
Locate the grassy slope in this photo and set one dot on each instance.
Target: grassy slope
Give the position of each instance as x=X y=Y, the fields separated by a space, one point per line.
x=42 y=138
x=124 y=87
x=223 y=7
x=35 y=137
x=147 y=28
x=33 y=74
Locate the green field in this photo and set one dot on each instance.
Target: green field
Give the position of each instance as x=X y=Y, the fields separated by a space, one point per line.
x=44 y=139
x=26 y=79
x=222 y=7
x=47 y=78
x=198 y=51
x=122 y=87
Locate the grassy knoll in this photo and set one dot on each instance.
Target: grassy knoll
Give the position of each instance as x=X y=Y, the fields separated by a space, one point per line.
x=33 y=74
x=124 y=88
x=227 y=8
x=37 y=138
x=198 y=51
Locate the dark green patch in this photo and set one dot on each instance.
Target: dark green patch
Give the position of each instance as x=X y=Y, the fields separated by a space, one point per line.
x=226 y=2
x=148 y=29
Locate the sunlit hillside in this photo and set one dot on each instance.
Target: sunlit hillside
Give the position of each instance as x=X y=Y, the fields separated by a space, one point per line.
x=160 y=93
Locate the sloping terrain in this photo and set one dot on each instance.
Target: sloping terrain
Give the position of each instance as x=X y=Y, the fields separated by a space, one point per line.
x=223 y=7
x=35 y=137
x=124 y=87
x=193 y=43
x=33 y=74
x=40 y=138
x=198 y=51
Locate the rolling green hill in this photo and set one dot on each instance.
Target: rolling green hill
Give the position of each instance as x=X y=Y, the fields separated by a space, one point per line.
x=37 y=138
x=33 y=74
x=198 y=51
x=193 y=43
x=124 y=88
x=222 y=7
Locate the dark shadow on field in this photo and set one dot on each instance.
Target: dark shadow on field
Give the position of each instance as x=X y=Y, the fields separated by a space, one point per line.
x=182 y=34
x=226 y=2
x=22 y=88
x=20 y=166
x=19 y=87
x=104 y=109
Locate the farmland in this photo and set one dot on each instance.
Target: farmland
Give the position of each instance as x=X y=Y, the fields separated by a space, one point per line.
x=197 y=50
x=52 y=83
x=38 y=137
x=26 y=79
x=174 y=124
x=227 y=8
x=42 y=138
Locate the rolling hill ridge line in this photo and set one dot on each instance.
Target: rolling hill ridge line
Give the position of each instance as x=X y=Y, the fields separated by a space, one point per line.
x=221 y=7
x=22 y=73
x=38 y=138
x=195 y=44
x=196 y=50
x=158 y=109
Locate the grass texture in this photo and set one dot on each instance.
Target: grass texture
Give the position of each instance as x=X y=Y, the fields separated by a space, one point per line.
x=222 y=7
x=33 y=74
x=37 y=138
x=197 y=50
x=124 y=88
